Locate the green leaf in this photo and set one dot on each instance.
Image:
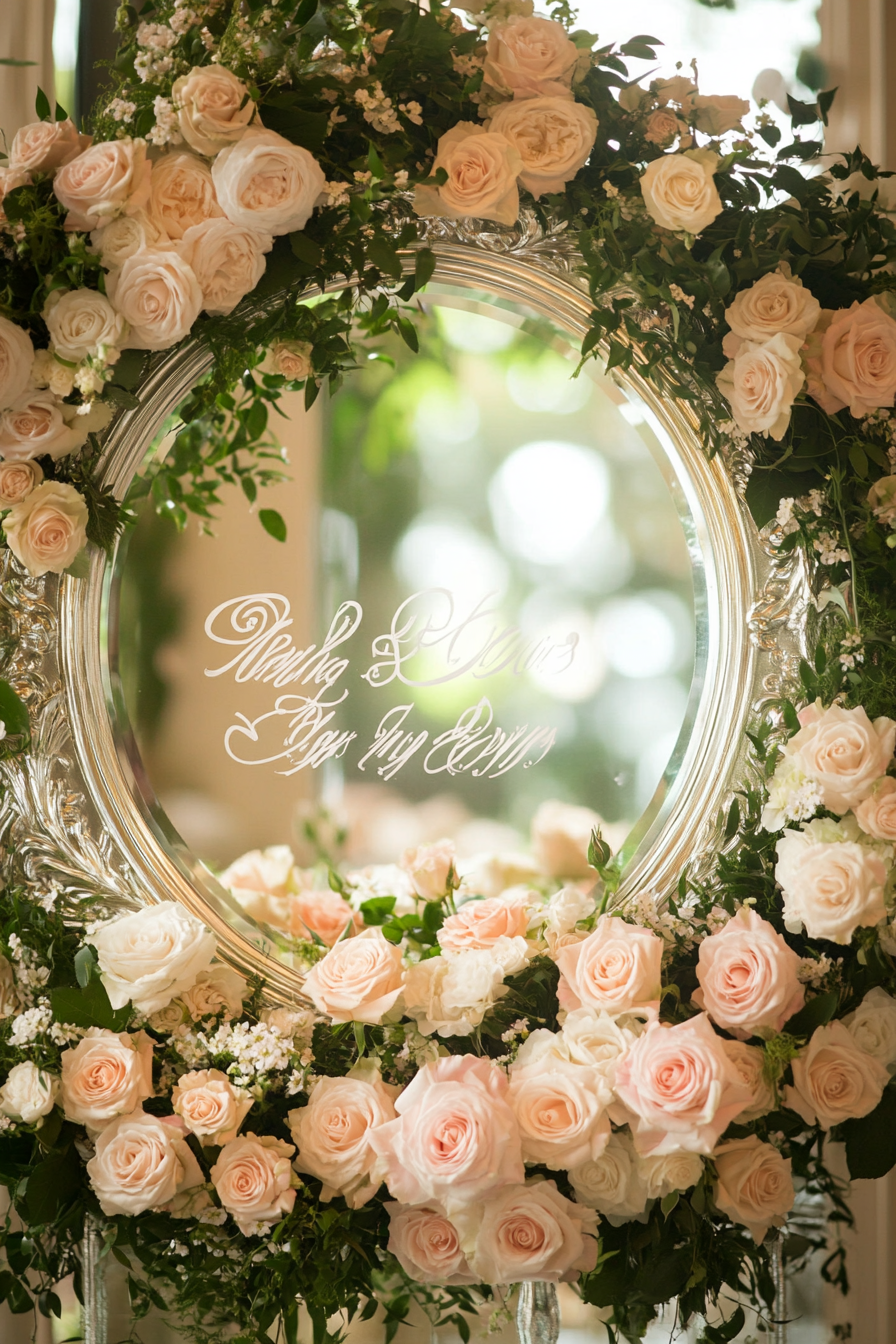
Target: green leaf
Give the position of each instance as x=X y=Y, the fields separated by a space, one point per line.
x=733 y=822
x=88 y=1007
x=816 y=1013
x=11 y=60
x=42 y=106
x=378 y=909
x=12 y=712
x=424 y=266
x=871 y=1141
x=85 y=965
x=14 y=1293
x=729 y=1330
x=305 y=12
x=859 y=460
x=51 y=1185
x=383 y=255
x=121 y=396
x=273 y=523
x=375 y=163
x=305 y=248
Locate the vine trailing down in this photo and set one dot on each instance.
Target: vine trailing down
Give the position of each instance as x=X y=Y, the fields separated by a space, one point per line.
x=635 y=1088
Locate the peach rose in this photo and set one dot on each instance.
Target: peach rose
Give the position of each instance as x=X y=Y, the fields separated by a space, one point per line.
x=106 y=1074
x=34 y=426
x=158 y=296
x=16 y=358
x=219 y=991
x=210 y=1106
x=455 y=1140
x=265 y=182
x=882 y=500
x=81 y=322
x=479 y=924
x=662 y=127
x=611 y=1183
x=530 y=57
x=553 y=137
x=213 y=108
x=44 y=146
x=858 y=360
x=124 y=236
x=48 y=528
x=717 y=113
x=831 y=888
x=182 y=194
x=680 y=1088
x=679 y=89
x=254 y=1181
x=482 y=170
x=427 y=1245
x=430 y=868
x=842 y=751
x=530 y=1232
x=778 y=302
x=753 y=1185
x=358 y=980
x=332 y=1133
x=17 y=480
x=873 y=1027
x=617 y=967
x=762 y=383
x=679 y=191
x=749 y=1060
x=748 y=977
x=227 y=260
x=561 y=835
x=290 y=359
x=662 y=1174
x=324 y=913
x=561 y=1113
x=28 y=1093
x=108 y=179
x=142 y=1163
x=876 y=814
x=150 y=956
x=267 y=872
x=833 y=1080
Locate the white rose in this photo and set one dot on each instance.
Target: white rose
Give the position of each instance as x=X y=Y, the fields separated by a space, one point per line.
x=35 y=425
x=48 y=528
x=110 y=178
x=158 y=296
x=830 y=887
x=553 y=137
x=44 y=146
x=81 y=322
x=105 y=1075
x=714 y=114
x=561 y=835
x=142 y=1163
x=358 y=980
x=833 y=1080
x=527 y=57
x=561 y=1113
x=149 y=957
x=214 y=108
x=219 y=990
x=749 y=1060
x=527 y=1232
x=451 y=994
x=292 y=360
x=482 y=169
x=670 y=1171
x=873 y=1026
x=566 y=908
x=778 y=302
x=266 y=183
x=254 y=1181
x=182 y=194
x=611 y=1183
x=28 y=1093
x=429 y=868
x=210 y=1106
x=16 y=358
x=595 y=1038
x=762 y=383
x=227 y=260
x=754 y=1185
x=332 y=1133
x=843 y=751
x=679 y=191
x=124 y=236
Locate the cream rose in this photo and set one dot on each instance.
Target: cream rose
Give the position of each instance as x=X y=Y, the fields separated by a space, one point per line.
x=873 y=1027
x=181 y=195
x=213 y=108
x=530 y=57
x=528 y=1232
x=16 y=358
x=762 y=383
x=289 y=359
x=715 y=114
x=566 y=908
x=332 y=1133
x=876 y=814
x=293 y=1024
x=254 y=1181
x=105 y=1075
x=561 y=1113
x=662 y=127
x=671 y=1171
x=553 y=137
x=882 y=500
x=34 y=426
x=427 y=1245
x=679 y=191
x=28 y=1093
x=227 y=260
x=220 y=991
x=842 y=751
x=210 y=1106
x=358 y=980
x=451 y=994
x=323 y=913
x=142 y=1163
x=611 y=1183
x=479 y=924
x=748 y=977
x=125 y=236
x=455 y=1140
x=749 y=1060
x=593 y=1038
x=617 y=967
x=108 y=179
x=48 y=528
x=267 y=872
x=833 y=1080
x=561 y=835
x=858 y=360
x=44 y=146
x=267 y=183
x=159 y=297
x=778 y=302
x=753 y=1185
x=149 y=957
x=81 y=322
x=482 y=169
x=430 y=868
x=831 y=888
x=679 y=89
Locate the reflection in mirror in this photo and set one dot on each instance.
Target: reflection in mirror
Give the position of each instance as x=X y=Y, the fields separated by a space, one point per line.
x=484 y=604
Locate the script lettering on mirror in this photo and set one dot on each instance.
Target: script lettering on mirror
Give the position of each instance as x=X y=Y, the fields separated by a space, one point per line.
x=452 y=644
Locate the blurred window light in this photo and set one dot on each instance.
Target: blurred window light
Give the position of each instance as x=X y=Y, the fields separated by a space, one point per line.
x=630 y=717
x=637 y=638
x=586 y=672
x=443 y=419
x=65 y=34
x=474 y=333
x=547 y=385
x=547 y=498
x=445 y=552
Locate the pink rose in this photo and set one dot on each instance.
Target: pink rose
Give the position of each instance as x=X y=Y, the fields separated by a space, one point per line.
x=528 y=57
x=833 y=1080
x=748 y=977
x=159 y=297
x=105 y=1075
x=48 y=528
x=142 y=1163
x=561 y=1112
x=479 y=924
x=214 y=108
x=842 y=751
x=455 y=1140
x=332 y=1133
x=430 y=868
x=617 y=967
x=267 y=183
x=181 y=194
x=34 y=426
x=749 y=1060
x=254 y=1181
x=554 y=137
x=17 y=480
x=427 y=1245
x=358 y=980
x=680 y=1087
x=830 y=888
x=482 y=169
x=528 y=1232
x=227 y=260
x=108 y=179
x=858 y=360
x=662 y=127
x=16 y=359
x=324 y=913
x=753 y=1185
x=210 y=1106
x=44 y=146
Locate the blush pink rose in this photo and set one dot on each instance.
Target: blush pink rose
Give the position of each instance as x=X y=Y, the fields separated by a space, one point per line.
x=680 y=1088
x=324 y=913
x=617 y=967
x=16 y=359
x=833 y=1080
x=455 y=1140
x=110 y=178
x=528 y=1232
x=529 y=57
x=105 y=1075
x=748 y=977
x=478 y=925
x=427 y=1245
x=876 y=814
x=749 y=1060
x=561 y=1112
x=858 y=361
x=210 y=1106
x=44 y=146
x=181 y=194
x=254 y=1180
x=842 y=751
x=332 y=1133
x=358 y=980
x=142 y=1162
x=430 y=868
x=753 y=1186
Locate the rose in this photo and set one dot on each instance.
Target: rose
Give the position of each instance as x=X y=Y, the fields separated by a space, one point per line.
x=81 y=322
x=873 y=1026
x=227 y=260
x=158 y=296
x=749 y=1060
x=479 y=924
x=210 y=1106
x=44 y=146
x=662 y=127
x=762 y=383
x=493 y=874
x=593 y=1038
x=778 y=302
x=28 y=1093
x=857 y=366
x=267 y=183
x=482 y=170
x=530 y=57
x=292 y=1023
x=561 y=835
x=671 y=1171
x=34 y=425
x=528 y=1232
x=842 y=751
x=332 y=1133
x=265 y=871
x=324 y=913
x=110 y=178
x=833 y=1080
x=150 y=956
x=430 y=869
x=455 y=1139
x=830 y=888
x=289 y=359
x=882 y=500
x=125 y=236
x=213 y=108
x=358 y=980
x=451 y=994
x=679 y=89
x=182 y=194
x=617 y=967
x=219 y=990
x=553 y=137
x=9 y=995
x=611 y=1183
x=715 y=114
x=680 y=1087
x=753 y=1185
x=254 y=1181
x=561 y=1113
x=16 y=358
x=106 y=1074
x=679 y=191
x=748 y=977
x=427 y=1245
x=48 y=528
x=142 y=1163
x=565 y=908
x=168 y=1019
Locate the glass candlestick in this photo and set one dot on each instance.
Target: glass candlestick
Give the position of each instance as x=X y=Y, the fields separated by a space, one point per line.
x=538 y=1313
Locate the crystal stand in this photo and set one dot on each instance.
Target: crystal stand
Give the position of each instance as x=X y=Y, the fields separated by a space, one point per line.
x=94 y=1311
x=538 y=1314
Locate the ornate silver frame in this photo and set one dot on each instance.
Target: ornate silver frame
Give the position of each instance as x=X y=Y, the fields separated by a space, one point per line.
x=76 y=807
